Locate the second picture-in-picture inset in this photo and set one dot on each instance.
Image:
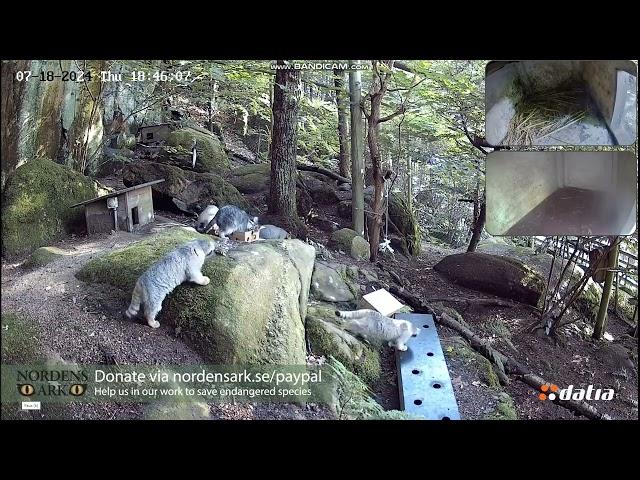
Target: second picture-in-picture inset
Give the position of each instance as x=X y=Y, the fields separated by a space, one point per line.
x=561 y=193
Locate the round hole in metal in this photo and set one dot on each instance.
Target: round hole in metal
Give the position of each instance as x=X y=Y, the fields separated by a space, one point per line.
x=437 y=385
x=417 y=402
x=429 y=354
x=415 y=371
x=446 y=418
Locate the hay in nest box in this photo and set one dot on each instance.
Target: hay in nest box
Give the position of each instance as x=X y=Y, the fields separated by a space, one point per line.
x=542 y=114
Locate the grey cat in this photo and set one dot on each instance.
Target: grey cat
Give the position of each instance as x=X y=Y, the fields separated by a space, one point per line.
x=181 y=264
x=205 y=218
x=230 y=219
x=271 y=232
x=373 y=326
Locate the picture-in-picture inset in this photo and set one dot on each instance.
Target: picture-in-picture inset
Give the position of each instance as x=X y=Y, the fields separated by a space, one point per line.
x=561 y=102
x=561 y=193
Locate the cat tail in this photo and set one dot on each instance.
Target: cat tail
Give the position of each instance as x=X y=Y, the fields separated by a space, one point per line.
x=136 y=301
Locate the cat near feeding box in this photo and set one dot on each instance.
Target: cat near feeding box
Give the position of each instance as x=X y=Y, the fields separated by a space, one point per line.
x=375 y=327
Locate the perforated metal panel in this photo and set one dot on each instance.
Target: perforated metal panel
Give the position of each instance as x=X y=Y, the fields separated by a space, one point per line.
x=423 y=380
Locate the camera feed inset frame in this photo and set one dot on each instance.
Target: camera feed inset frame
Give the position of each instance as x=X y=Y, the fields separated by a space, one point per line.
x=561 y=102
x=561 y=193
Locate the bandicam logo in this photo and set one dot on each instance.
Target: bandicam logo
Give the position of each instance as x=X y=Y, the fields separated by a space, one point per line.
x=550 y=391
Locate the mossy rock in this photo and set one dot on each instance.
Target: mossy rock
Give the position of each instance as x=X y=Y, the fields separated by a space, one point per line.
x=251 y=178
x=330 y=285
x=327 y=339
x=253 y=310
x=350 y=242
x=403 y=218
x=43 y=256
x=35 y=207
x=211 y=154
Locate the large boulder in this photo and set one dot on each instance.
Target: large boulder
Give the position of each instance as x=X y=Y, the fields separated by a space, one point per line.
x=327 y=284
x=350 y=242
x=211 y=155
x=36 y=205
x=188 y=191
x=253 y=310
x=327 y=338
x=501 y=276
x=251 y=178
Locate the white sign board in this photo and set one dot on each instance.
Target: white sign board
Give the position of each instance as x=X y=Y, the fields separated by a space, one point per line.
x=382 y=301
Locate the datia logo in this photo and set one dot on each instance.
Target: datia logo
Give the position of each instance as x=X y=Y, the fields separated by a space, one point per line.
x=549 y=391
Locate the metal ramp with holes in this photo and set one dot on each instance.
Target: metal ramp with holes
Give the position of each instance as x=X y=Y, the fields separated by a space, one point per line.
x=423 y=378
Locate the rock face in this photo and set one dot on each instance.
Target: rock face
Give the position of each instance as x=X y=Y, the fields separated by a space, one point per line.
x=253 y=310
x=188 y=191
x=350 y=242
x=327 y=338
x=501 y=276
x=251 y=178
x=327 y=284
x=211 y=155
x=35 y=206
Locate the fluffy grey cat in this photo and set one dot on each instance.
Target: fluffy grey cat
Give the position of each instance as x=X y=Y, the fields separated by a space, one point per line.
x=181 y=264
x=205 y=218
x=373 y=326
x=230 y=219
x=271 y=232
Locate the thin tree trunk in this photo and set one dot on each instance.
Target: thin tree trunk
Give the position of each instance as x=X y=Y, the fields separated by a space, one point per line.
x=601 y=319
x=344 y=166
x=286 y=102
x=373 y=129
x=478 y=227
x=357 y=158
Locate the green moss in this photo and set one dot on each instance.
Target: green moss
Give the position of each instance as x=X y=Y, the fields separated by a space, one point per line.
x=36 y=203
x=362 y=360
x=210 y=150
x=122 y=268
x=505 y=410
x=19 y=341
x=43 y=256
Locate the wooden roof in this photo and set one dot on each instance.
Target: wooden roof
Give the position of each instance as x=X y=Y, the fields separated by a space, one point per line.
x=118 y=192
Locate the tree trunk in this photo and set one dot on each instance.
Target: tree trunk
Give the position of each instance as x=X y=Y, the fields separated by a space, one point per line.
x=341 y=102
x=409 y=183
x=373 y=129
x=357 y=158
x=286 y=102
x=601 y=319
x=478 y=227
